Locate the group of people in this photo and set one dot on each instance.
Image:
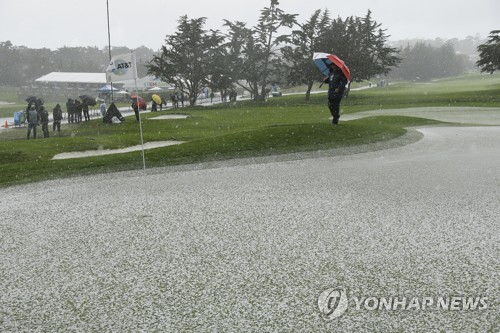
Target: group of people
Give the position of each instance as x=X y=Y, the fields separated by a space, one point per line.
x=77 y=111
x=36 y=114
x=176 y=98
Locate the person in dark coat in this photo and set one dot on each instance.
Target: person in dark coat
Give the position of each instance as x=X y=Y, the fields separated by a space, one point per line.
x=44 y=120
x=336 y=86
x=182 y=99
x=70 y=110
x=57 y=116
x=85 y=109
x=78 y=111
x=136 y=109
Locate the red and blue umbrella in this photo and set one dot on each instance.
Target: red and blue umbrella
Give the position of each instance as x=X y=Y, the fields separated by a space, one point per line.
x=324 y=60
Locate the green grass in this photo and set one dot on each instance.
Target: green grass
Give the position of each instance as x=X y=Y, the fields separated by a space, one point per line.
x=245 y=129
x=27 y=161
x=211 y=135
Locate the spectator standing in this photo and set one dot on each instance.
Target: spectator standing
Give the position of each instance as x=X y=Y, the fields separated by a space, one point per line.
x=33 y=119
x=69 y=109
x=173 y=97
x=85 y=109
x=57 y=116
x=78 y=111
x=136 y=110
x=44 y=120
x=103 y=109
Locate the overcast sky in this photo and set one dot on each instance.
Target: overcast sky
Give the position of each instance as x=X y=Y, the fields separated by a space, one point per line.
x=57 y=23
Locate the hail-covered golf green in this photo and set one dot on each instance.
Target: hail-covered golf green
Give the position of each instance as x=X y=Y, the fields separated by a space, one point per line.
x=266 y=218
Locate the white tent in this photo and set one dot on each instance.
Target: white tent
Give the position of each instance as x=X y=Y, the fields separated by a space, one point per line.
x=155 y=89
x=71 y=77
x=107 y=88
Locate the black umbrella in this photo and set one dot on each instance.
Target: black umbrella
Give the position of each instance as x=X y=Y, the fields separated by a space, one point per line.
x=34 y=99
x=89 y=100
x=31 y=99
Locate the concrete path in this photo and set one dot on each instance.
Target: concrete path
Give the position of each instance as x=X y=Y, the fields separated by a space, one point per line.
x=460 y=115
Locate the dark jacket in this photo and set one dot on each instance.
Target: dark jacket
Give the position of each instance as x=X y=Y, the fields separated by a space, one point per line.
x=33 y=117
x=57 y=113
x=336 y=84
x=44 y=116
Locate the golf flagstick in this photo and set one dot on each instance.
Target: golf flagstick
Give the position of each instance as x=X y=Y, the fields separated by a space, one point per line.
x=109 y=49
x=146 y=205
x=130 y=72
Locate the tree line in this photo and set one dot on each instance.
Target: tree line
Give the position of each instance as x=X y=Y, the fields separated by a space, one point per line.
x=254 y=58
x=277 y=50
x=423 y=62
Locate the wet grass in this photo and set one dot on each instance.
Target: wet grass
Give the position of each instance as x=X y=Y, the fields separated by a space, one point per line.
x=26 y=161
x=245 y=129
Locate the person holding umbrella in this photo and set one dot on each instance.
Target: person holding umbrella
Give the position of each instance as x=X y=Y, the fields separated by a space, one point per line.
x=337 y=76
x=336 y=87
x=85 y=109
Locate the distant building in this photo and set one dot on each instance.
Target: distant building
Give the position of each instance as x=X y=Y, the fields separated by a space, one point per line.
x=72 y=80
x=146 y=83
x=94 y=81
x=58 y=86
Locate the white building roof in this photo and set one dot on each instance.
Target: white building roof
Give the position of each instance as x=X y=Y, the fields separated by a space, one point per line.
x=69 y=77
x=100 y=78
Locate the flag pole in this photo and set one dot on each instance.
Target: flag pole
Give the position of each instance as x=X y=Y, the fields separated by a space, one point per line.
x=109 y=49
x=140 y=129
x=134 y=71
x=139 y=110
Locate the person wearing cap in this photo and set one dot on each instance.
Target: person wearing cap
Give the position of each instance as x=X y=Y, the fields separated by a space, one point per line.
x=33 y=119
x=336 y=86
